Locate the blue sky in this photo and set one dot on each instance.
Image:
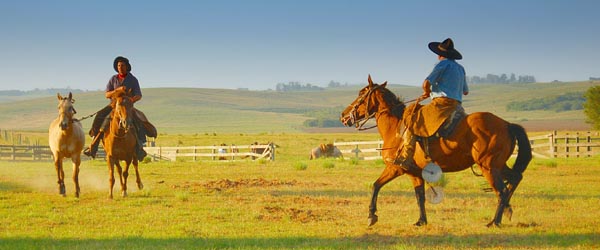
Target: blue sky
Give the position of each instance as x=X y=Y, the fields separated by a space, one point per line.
x=257 y=44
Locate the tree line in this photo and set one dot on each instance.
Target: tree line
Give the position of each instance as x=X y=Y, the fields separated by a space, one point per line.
x=503 y=79
x=564 y=102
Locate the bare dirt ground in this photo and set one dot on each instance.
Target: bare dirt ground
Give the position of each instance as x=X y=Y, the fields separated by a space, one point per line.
x=530 y=126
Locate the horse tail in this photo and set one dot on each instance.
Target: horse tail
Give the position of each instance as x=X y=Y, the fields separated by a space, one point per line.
x=524 y=152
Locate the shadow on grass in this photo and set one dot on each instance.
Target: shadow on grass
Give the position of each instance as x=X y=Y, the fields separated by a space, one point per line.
x=370 y=241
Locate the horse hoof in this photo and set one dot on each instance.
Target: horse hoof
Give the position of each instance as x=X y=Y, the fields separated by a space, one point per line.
x=372 y=220
x=420 y=223
x=124 y=194
x=508 y=213
x=493 y=224
x=140 y=186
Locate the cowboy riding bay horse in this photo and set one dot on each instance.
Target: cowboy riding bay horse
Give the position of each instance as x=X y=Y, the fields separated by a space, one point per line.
x=481 y=138
x=66 y=139
x=120 y=140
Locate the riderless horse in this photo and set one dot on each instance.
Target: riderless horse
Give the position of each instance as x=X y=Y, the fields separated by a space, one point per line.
x=66 y=139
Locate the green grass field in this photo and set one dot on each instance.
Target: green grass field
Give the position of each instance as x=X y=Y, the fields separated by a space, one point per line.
x=278 y=205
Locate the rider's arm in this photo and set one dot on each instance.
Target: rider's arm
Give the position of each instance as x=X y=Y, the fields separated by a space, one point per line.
x=136 y=98
x=426 y=90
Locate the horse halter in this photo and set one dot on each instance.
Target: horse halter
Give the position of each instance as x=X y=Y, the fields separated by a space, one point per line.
x=354 y=112
x=67 y=110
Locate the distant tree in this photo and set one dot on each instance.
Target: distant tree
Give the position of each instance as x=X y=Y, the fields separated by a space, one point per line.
x=591 y=107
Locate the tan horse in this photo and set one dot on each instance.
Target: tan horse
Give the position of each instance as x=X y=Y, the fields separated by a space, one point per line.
x=481 y=138
x=66 y=139
x=119 y=142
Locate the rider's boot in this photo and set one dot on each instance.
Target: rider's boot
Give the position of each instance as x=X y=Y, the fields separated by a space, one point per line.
x=405 y=159
x=93 y=148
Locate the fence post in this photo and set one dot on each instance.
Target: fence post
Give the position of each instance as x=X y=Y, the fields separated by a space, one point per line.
x=272 y=146
x=554 y=144
x=567 y=145
x=214 y=152
x=14 y=152
x=577 y=143
x=195 y=152
x=589 y=148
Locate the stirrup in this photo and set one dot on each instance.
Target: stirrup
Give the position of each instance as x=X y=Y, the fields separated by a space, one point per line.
x=88 y=152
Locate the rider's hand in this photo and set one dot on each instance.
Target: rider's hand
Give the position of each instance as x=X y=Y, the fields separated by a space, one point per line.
x=423 y=96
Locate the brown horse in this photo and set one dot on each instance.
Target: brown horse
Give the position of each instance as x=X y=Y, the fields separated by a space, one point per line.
x=120 y=141
x=66 y=139
x=481 y=138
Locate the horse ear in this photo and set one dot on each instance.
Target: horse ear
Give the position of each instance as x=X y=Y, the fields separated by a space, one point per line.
x=71 y=97
x=370 y=81
x=383 y=84
x=59 y=96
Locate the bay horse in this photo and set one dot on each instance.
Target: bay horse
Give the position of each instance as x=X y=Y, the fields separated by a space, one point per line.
x=481 y=138
x=120 y=140
x=66 y=139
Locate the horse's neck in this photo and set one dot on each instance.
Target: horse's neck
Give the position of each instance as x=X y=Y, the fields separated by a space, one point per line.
x=389 y=129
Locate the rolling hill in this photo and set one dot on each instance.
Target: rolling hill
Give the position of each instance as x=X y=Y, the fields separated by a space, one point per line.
x=203 y=111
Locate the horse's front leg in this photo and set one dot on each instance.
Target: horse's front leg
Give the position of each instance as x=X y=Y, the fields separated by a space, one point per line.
x=389 y=173
x=76 y=162
x=58 y=165
x=111 y=176
x=419 y=185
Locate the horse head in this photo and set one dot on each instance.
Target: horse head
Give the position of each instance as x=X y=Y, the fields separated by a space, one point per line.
x=65 y=110
x=364 y=107
x=122 y=105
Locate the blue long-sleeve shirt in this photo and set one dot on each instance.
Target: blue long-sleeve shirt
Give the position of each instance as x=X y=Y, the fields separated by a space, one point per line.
x=448 y=79
x=130 y=82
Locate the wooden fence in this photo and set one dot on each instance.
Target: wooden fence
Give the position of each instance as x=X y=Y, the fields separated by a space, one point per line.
x=196 y=153
x=193 y=153
x=25 y=152
x=565 y=145
x=552 y=145
x=362 y=150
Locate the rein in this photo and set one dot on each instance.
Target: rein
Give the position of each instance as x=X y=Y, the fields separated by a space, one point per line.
x=361 y=123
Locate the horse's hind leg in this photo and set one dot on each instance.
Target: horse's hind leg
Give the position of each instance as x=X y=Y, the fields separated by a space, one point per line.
x=58 y=165
x=76 y=163
x=494 y=177
x=388 y=174
x=513 y=178
x=138 y=178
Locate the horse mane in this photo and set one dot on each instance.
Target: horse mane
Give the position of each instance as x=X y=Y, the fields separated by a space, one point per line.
x=396 y=104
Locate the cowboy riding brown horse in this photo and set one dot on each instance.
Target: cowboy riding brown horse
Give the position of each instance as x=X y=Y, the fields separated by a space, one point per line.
x=481 y=138
x=120 y=141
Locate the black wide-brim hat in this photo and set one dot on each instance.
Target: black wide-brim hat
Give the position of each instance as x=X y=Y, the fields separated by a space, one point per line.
x=445 y=49
x=121 y=59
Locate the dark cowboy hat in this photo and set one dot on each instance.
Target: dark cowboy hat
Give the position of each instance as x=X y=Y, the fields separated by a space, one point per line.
x=121 y=59
x=445 y=49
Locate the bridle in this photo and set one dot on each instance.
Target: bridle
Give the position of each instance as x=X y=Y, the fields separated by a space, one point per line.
x=124 y=124
x=354 y=111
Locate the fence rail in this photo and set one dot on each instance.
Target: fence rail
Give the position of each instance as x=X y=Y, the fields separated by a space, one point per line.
x=195 y=153
x=360 y=149
x=552 y=145
x=25 y=152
